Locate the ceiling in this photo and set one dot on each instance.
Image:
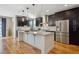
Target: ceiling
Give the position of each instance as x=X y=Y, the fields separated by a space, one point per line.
x=37 y=10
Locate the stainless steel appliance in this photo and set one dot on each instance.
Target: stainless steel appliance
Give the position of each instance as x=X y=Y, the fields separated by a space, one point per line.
x=62 y=31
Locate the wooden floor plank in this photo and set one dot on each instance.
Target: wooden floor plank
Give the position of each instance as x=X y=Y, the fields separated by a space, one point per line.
x=8 y=46
x=60 y=48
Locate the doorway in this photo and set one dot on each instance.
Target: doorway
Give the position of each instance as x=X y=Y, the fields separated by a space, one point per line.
x=2 y=27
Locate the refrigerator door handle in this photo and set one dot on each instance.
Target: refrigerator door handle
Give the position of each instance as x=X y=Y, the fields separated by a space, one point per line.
x=60 y=26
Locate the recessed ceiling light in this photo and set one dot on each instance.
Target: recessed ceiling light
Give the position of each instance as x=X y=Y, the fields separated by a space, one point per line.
x=66 y=5
x=47 y=10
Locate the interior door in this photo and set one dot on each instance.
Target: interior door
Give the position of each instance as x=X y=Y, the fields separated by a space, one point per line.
x=3 y=27
x=0 y=27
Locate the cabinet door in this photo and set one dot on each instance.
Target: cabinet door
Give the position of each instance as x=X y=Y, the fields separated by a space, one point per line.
x=74 y=30
x=25 y=38
x=38 y=41
x=31 y=39
x=21 y=35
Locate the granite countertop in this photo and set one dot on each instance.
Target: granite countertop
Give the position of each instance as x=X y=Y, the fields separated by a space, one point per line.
x=40 y=33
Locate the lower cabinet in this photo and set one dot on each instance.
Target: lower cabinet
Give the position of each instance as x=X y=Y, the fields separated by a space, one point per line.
x=21 y=36
x=38 y=41
x=35 y=40
x=25 y=37
x=30 y=39
x=43 y=42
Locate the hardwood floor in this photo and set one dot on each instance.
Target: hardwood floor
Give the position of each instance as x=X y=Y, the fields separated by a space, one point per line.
x=60 y=48
x=8 y=46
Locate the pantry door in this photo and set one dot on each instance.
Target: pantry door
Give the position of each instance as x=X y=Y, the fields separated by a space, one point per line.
x=3 y=27
x=0 y=27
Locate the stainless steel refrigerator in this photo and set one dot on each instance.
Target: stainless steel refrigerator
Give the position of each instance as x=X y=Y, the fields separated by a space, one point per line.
x=62 y=31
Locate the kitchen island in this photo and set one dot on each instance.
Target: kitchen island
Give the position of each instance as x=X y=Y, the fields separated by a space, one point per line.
x=39 y=39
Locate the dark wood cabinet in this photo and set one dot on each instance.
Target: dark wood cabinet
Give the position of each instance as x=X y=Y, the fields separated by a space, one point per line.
x=51 y=20
x=73 y=16
x=75 y=27
x=39 y=21
x=22 y=23
x=74 y=30
x=60 y=15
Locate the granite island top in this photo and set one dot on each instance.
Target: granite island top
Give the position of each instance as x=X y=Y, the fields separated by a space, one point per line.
x=40 y=33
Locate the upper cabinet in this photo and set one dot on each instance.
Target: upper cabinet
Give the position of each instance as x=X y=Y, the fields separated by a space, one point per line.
x=39 y=21
x=51 y=20
x=60 y=15
x=21 y=21
x=63 y=15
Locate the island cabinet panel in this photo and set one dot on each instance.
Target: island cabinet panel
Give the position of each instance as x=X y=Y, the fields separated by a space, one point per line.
x=25 y=37
x=30 y=39
x=49 y=43
x=44 y=41
x=39 y=41
x=20 y=36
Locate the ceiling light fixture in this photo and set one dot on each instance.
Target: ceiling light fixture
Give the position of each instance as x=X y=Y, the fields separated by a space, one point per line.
x=22 y=10
x=66 y=5
x=47 y=10
x=27 y=13
x=33 y=4
x=23 y=15
x=33 y=9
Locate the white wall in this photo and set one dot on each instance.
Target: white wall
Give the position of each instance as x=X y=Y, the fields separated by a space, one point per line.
x=9 y=25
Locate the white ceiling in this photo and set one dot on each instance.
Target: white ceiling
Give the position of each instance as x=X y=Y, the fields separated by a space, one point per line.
x=37 y=11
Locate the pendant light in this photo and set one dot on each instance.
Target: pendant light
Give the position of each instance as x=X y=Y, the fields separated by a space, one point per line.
x=33 y=8
x=23 y=18
x=27 y=13
x=33 y=4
